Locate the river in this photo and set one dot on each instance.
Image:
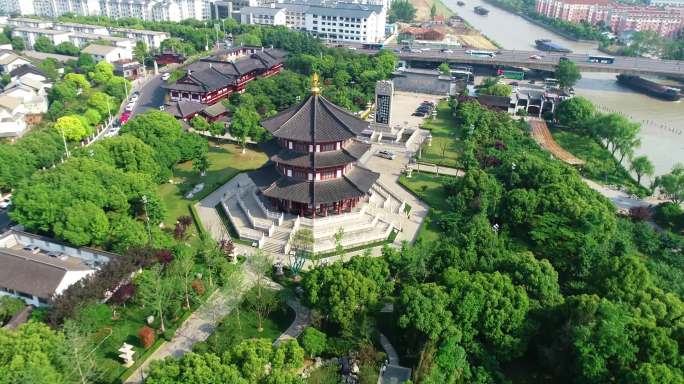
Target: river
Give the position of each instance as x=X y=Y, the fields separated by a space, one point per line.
x=662 y=132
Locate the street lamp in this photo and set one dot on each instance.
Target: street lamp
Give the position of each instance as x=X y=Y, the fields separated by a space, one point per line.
x=147 y=217
x=66 y=148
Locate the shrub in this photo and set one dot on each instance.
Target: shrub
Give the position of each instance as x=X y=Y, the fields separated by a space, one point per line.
x=640 y=213
x=668 y=215
x=168 y=334
x=123 y=293
x=10 y=306
x=313 y=341
x=198 y=286
x=92 y=317
x=146 y=336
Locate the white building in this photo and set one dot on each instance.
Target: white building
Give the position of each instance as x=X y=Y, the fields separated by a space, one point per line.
x=17 y=7
x=33 y=95
x=82 y=39
x=158 y=10
x=295 y=15
x=12 y=119
x=30 y=35
x=29 y=23
x=262 y=16
x=9 y=61
x=82 y=28
x=108 y=53
x=346 y=22
x=153 y=39
x=56 y=8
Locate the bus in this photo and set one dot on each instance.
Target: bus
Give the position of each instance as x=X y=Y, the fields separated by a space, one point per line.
x=551 y=82
x=374 y=46
x=480 y=53
x=508 y=74
x=461 y=74
x=601 y=59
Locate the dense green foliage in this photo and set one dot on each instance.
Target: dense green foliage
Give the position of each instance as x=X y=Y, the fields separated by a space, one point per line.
x=533 y=268
x=567 y=73
x=402 y=10
x=491 y=86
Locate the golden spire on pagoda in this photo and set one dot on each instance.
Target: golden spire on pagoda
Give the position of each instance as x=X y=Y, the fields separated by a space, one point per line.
x=314 y=84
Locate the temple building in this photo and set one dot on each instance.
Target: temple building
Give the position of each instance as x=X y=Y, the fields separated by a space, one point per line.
x=215 y=77
x=315 y=172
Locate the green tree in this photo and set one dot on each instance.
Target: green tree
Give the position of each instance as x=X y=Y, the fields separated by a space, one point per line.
x=433 y=11
x=127 y=153
x=44 y=44
x=67 y=48
x=102 y=73
x=402 y=10
x=117 y=87
x=141 y=52
x=102 y=103
x=85 y=223
x=49 y=67
x=155 y=291
x=313 y=341
x=642 y=166
x=93 y=116
x=182 y=269
x=79 y=81
x=567 y=73
x=247 y=39
x=201 y=164
x=199 y=123
x=72 y=128
x=244 y=123
x=18 y=43
x=575 y=112
x=672 y=184
x=444 y=69
x=425 y=308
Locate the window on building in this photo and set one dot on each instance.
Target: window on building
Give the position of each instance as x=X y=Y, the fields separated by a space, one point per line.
x=25 y=295
x=328 y=174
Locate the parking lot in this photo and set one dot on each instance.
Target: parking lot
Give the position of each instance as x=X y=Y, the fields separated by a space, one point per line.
x=403 y=106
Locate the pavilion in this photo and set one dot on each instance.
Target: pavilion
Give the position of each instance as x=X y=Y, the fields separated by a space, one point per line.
x=315 y=172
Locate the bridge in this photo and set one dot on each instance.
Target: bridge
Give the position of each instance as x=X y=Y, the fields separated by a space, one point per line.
x=547 y=61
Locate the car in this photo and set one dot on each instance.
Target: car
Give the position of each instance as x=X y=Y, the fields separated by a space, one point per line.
x=352 y=48
x=426 y=49
x=447 y=51
x=535 y=57
x=416 y=51
x=162 y=107
x=419 y=114
x=563 y=58
x=129 y=107
x=31 y=249
x=165 y=76
x=135 y=93
x=134 y=98
x=386 y=154
x=57 y=255
x=406 y=49
x=396 y=50
x=124 y=117
x=5 y=203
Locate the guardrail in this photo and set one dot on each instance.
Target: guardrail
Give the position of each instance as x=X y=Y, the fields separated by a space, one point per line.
x=295 y=228
x=244 y=233
x=279 y=217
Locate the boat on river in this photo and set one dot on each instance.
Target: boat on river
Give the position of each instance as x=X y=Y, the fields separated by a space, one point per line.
x=649 y=87
x=549 y=46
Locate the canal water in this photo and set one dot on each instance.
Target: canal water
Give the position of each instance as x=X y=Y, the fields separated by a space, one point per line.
x=662 y=132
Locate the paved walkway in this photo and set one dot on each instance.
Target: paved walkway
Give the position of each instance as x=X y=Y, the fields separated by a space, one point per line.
x=301 y=321
x=392 y=373
x=431 y=168
x=196 y=328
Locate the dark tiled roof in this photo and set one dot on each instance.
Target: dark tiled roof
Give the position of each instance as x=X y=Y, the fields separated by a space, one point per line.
x=355 y=183
x=316 y=120
x=183 y=109
x=215 y=110
x=350 y=153
x=494 y=101
x=37 y=275
x=24 y=69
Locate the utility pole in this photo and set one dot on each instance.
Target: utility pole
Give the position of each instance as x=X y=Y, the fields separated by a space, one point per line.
x=66 y=148
x=147 y=218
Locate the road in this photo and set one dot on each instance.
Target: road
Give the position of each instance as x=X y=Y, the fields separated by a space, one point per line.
x=548 y=61
x=151 y=95
x=4 y=221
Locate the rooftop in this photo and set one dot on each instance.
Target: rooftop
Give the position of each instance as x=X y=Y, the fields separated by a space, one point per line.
x=36 y=274
x=316 y=120
x=43 y=31
x=100 y=50
x=261 y=10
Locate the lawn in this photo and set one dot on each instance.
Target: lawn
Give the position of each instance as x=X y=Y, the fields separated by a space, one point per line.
x=226 y=159
x=601 y=166
x=428 y=187
x=328 y=374
x=445 y=135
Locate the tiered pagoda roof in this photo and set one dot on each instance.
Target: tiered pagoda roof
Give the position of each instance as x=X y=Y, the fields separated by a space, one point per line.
x=314 y=122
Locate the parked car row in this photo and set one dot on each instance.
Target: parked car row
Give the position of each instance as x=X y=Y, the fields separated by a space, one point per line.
x=424 y=109
x=131 y=101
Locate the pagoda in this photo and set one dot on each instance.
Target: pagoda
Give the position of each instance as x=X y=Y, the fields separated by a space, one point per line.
x=315 y=171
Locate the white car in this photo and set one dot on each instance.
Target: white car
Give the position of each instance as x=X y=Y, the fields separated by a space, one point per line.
x=31 y=249
x=165 y=76
x=134 y=98
x=447 y=51
x=535 y=57
x=386 y=154
x=5 y=203
x=129 y=107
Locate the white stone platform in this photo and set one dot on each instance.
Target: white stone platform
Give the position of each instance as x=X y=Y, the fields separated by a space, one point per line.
x=372 y=220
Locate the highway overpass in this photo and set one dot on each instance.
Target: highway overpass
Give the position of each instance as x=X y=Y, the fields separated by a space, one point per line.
x=548 y=61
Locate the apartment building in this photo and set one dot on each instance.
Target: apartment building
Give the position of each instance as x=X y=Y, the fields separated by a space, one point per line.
x=666 y=21
x=295 y=15
x=345 y=22
x=81 y=28
x=82 y=39
x=16 y=7
x=30 y=35
x=153 y=39
x=262 y=16
x=29 y=23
